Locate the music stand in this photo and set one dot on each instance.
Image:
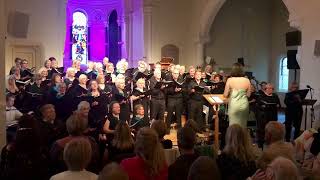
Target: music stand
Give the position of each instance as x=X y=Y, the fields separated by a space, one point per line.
x=306 y=103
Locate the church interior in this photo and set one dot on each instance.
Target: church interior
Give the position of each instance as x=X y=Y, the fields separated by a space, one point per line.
x=274 y=43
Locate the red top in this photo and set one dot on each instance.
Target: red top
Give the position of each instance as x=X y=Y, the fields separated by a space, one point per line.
x=135 y=169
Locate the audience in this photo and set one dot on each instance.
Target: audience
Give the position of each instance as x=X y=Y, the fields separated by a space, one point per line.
x=113 y=171
x=149 y=162
x=180 y=168
x=275 y=140
x=204 y=168
x=76 y=155
x=160 y=127
x=122 y=145
x=237 y=156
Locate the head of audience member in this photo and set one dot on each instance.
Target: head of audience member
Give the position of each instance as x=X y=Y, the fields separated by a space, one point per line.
x=282 y=169
x=113 y=171
x=175 y=74
x=71 y=72
x=48 y=113
x=24 y=64
x=120 y=84
x=237 y=70
x=83 y=79
x=157 y=74
x=269 y=88
x=160 y=127
x=56 y=79
x=192 y=71
x=54 y=62
x=294 y=87
x=238 y=144
x=141 y=84
x=76 y=126
x=198 y=75
x=27 y=136
x=139 y=110
x=149 y=148
x=274 y=132
x=122 y=136
x=186 y=140
x=182 y=70
x=10 y=98
x=193 y=125
x=208 y=69
x=114 y=108
x=83 y=109
x=77 y=154
x=17 y=62
x=47 y=64
x=62 y=88
x=204 y=168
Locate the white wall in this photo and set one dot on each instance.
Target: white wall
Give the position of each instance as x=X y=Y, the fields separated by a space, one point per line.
x=46 y=27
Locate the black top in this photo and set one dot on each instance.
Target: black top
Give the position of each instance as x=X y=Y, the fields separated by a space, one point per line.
x=137 y=123
x=166 y=143
x=117 y=155
x=180 y=168
x=122 y=98
x=156 y=93
x=170 y=91
x=97 y=112
x=197 y=95
x=234 y=169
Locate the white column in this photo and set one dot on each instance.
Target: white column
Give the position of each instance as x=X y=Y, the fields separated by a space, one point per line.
x=3 y=28
x=121 y=24
x=147 y=15
x=129 y=37
x=200 y=43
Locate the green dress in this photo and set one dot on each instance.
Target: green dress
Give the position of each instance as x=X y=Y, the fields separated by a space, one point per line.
x=238 y=108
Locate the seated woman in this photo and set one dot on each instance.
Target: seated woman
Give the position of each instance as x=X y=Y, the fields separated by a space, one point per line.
x=161 y=129
x=149 y=162
x=76 y=155
x=122 y=145
x=139 y=120
x=237 y=156
x=110 y=123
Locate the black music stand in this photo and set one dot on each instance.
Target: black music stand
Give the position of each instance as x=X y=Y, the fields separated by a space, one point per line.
x=306 y=103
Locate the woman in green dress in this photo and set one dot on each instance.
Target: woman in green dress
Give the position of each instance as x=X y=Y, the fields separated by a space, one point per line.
x=237 y=90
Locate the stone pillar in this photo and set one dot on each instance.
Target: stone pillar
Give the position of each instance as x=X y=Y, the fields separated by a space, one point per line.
x=3 y=29
x=121 y=24
x=200 y=44
x=129 y=37
x=147 y=15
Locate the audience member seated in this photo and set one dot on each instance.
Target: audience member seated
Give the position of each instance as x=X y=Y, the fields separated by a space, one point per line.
x=279 y=169
x=160 y=127
x=76 y=155
x=276 y=145
x=24 y=158
x=76 y=128
x=111 y=121
x=237 y=156
x=149 y=162
x=139 y=119
x=204 y=168
x=113 y=171
x=122 y=145
x=180 y=168
x=51 y=129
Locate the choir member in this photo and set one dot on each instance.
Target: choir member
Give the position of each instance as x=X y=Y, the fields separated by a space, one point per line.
x=102 y=85
x=17 y=62
x=55 y=79
x=25 y=72
x=195 y=103
x=16 y=73
x=218 y=85
x=122 y=66
x=80 y=91
x=70 y=78
x=76 y=64
x=141 y=96
x=99 y=68
x=142 y=67
x=175 y=100
x=12 y=113
x=182 y=71
x=121 y=96
x=111 y=120
x=61 y=101
x=105 y=62
x=35 y=95
x=48 y=64
x=158 y=103
x=11 y=87
x=294 y=111
x=110 y=77
x=139 y=119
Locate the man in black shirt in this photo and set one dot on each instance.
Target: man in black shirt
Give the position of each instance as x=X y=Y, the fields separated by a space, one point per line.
x=158 y=103
x=180 y=168
x=196 y=89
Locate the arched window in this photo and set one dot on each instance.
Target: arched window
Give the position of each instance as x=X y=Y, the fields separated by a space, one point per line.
x=283 y=75
x=80 y=37
x=114 y=37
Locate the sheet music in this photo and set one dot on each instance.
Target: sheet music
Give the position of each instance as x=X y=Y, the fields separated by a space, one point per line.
x=217 y=99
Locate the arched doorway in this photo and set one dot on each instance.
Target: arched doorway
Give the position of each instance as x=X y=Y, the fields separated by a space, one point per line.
x=114 y=36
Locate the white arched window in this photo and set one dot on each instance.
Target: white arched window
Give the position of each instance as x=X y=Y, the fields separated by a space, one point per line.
x=80 y=37
x=283 y=75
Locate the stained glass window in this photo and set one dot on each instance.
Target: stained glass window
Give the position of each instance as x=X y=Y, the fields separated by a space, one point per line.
x=283 y=75
x=80 y=37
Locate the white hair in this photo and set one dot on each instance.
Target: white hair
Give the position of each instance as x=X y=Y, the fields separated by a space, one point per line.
x=284 y=169
x=83 y=104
